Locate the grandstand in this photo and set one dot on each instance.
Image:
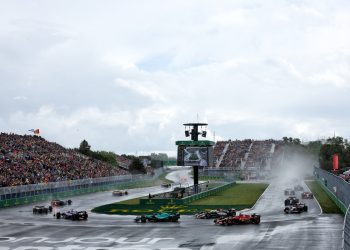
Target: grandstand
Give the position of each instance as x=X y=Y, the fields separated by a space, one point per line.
x=245 y=155
x=31 y=159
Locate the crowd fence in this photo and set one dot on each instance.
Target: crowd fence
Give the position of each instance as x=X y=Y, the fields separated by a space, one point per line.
x=188 y=196
x=25 y=194
x=339 y=191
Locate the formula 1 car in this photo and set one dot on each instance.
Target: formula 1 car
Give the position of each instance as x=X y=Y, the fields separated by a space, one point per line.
x=219 y=213
x=60 y=203
x=42 y=210
x=296 y=208
x=120 y=192
x=158 y=217
x=72 y=215
x=165 y=185
x=239 y=220
x=307 y=195
x=289 y=191
x=298 y=188
x=291 y=200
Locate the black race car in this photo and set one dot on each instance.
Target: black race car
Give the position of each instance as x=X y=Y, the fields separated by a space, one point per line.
x=165 y=185
x=60 y=203
x=291 y=200
x=296 y=208
x=289 y=191
x=42 y=210
x=120 y=192
x=298 y=188
x=72 y=215
x=218 y=213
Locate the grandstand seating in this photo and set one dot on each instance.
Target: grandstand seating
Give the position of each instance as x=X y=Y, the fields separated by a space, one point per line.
x=31 y=159
x=244 y=154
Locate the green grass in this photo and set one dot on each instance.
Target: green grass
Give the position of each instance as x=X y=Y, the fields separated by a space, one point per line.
x=162 y=178
x=134 y=201
x=328 y=206
x=239 y=194
x=150 y=183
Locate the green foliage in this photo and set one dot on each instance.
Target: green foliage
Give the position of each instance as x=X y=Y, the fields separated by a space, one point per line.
x=336 y=145
x=84 y=147
x=108 y=157
x=161 y=157
x=137 y=167
x=290 y=140
x=314 y=147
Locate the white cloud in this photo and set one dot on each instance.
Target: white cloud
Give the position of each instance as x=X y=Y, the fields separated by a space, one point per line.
x=127 y=76
x=20 y=98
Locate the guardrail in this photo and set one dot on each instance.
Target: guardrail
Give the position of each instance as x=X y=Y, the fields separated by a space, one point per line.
x=20 y=195
x=339 y=191
x=346 y=231
x=336 y=188
x=164 y=199
x=210 y=192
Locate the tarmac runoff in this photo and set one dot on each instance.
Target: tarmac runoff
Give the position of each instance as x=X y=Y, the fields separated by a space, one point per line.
x=21 y=230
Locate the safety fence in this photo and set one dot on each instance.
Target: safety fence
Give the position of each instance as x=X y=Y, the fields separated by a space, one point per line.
x=208 y=193
x=223 y=173
x=183 y=206
x=336 y=188
x=339 y=191
x=25 y=194
x=190 y=194
x=346 y=231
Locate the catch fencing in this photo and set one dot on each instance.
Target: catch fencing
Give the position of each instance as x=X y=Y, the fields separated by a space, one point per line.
x=337 y=188
x=187 y=196
x=339 y=191
x=25 y=194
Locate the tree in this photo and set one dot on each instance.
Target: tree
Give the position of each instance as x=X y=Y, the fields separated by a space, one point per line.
x=84 y=148
x=137 y=167
x=160 y=156
x=108 y=157
x=335 y=145
x=296 y=141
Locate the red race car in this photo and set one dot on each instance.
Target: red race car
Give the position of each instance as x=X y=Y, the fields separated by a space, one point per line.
x=239 y=220
x=307 y=195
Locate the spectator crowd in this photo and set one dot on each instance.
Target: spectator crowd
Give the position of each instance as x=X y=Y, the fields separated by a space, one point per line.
x=31 y=159
x=245 y=153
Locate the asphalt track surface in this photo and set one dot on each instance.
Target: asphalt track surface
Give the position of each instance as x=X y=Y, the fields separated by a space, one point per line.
x=311 y=230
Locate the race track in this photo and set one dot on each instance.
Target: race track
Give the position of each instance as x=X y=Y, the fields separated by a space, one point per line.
x=311 y=230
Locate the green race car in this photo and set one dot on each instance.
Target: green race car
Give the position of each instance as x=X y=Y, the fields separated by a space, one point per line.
x=158 y=217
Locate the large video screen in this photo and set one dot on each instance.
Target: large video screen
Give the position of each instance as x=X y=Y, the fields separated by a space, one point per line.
x=195 y=156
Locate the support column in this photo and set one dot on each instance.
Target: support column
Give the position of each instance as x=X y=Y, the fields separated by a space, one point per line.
x=195 y=178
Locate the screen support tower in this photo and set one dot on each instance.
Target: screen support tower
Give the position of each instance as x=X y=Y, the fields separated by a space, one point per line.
x=193 y=130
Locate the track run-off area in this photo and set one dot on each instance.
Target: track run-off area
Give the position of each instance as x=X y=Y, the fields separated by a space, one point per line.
x=21 y=230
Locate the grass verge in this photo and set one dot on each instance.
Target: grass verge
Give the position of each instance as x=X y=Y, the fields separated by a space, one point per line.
x=239 y=194
x=328 y=206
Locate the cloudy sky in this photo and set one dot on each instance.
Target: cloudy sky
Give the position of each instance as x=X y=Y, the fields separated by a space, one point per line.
x=125 y=75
